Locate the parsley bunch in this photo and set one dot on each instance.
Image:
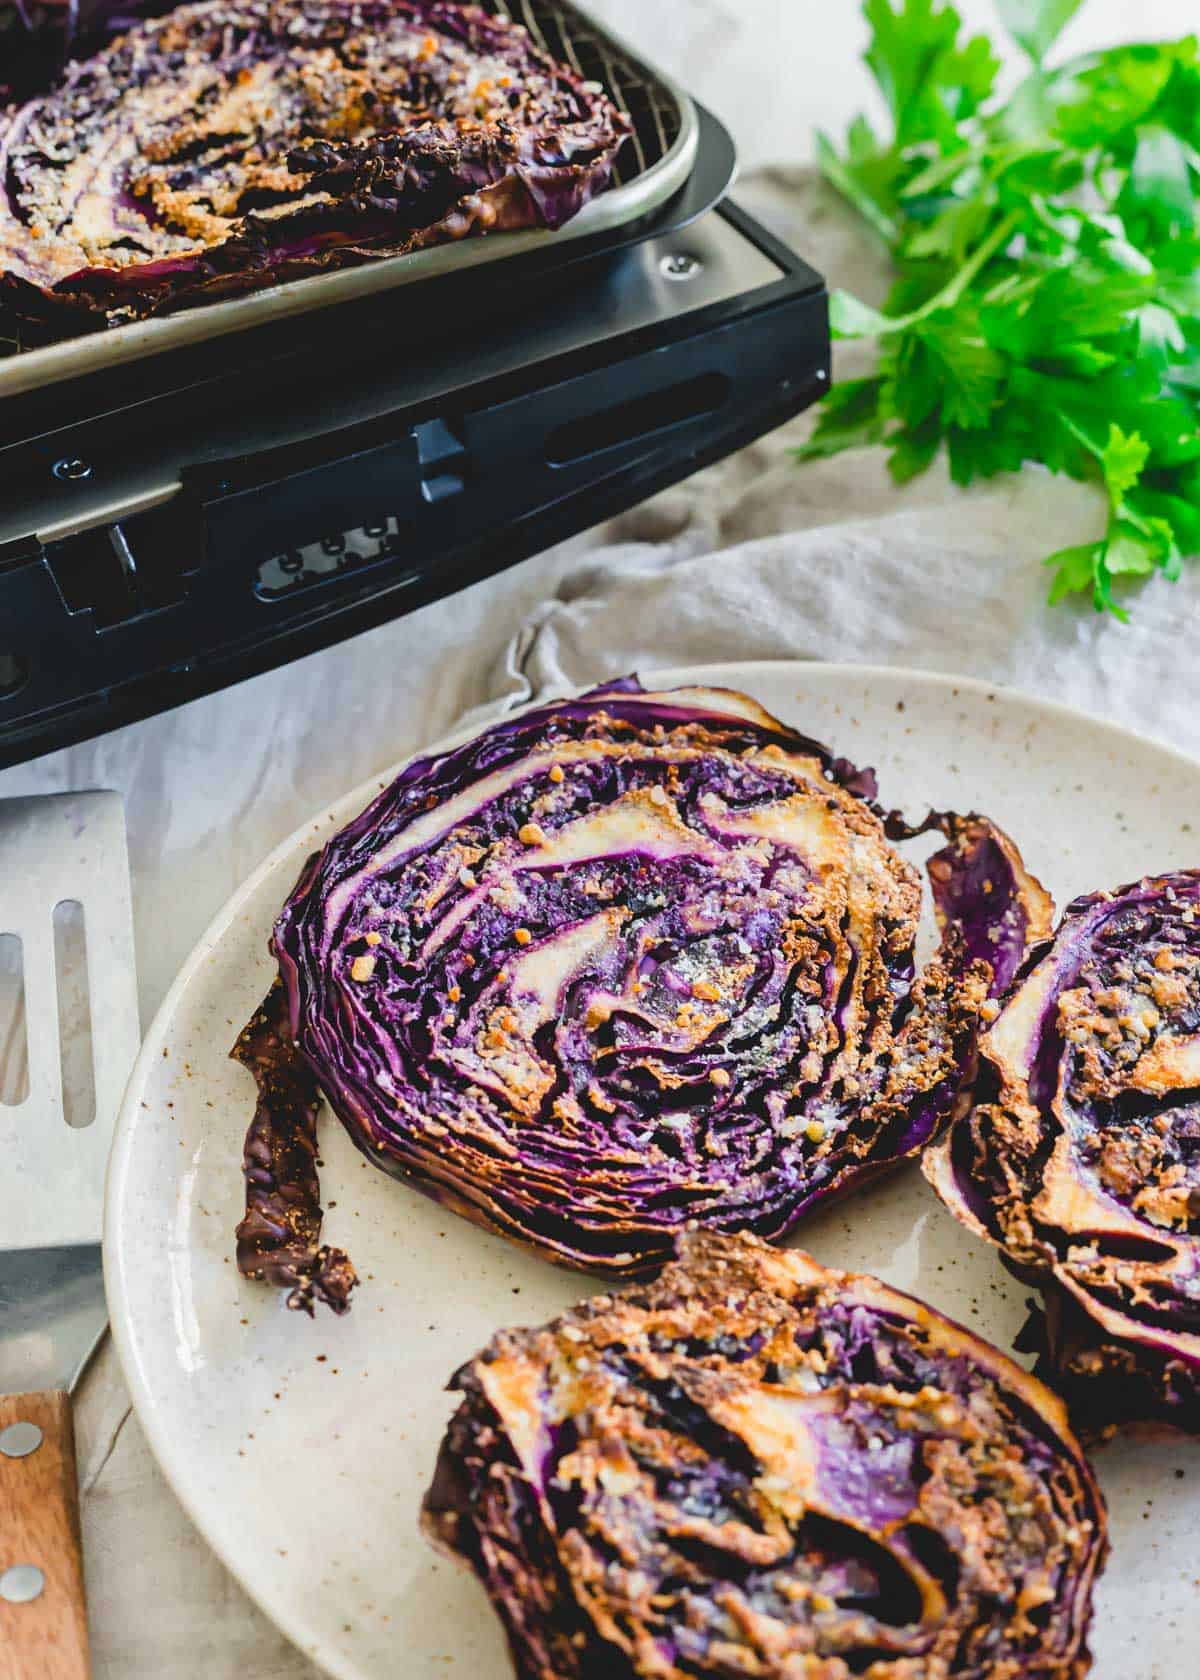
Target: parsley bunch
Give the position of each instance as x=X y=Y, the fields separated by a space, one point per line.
x=1047 y=252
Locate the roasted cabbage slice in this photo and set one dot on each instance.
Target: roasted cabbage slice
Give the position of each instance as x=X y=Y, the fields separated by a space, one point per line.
x=621 y=964
x=755 y=1466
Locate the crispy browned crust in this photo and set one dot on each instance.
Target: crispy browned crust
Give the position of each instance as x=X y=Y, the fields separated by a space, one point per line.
x=234 y=144
x=1077 y=1158
x=278 y=1240
x=1109 y=1386
x=650 y=964
x=759 y=1467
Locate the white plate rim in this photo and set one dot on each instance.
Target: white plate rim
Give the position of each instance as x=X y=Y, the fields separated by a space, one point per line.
x=738 y=674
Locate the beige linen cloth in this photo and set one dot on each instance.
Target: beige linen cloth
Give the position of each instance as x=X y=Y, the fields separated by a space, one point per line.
x=754 y=559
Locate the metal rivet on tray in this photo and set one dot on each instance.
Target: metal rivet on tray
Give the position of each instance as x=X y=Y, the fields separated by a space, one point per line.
x=21 y=1584
x=20 y=1439
x=72 y=468
x=679 y=266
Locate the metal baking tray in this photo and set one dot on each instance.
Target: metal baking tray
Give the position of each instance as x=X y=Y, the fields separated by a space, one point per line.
x=653 y=166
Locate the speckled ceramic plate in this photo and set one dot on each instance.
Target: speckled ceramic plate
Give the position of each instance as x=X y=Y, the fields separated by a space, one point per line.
x=301 y=1449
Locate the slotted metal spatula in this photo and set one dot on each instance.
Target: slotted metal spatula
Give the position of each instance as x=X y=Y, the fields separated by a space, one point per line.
x=59 y=853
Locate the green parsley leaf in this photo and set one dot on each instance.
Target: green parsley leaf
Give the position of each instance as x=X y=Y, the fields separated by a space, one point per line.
x=914 y=452
x=1133 y=553
x=952 y=233
x=1161 y=338
x=1075 y=570
x=1046 y=305
x=930 y=83
x=1175 y=511
x=1158 y=199
x=964 y=371
x=853 y=179
x=1122 y=461
x=850 y=417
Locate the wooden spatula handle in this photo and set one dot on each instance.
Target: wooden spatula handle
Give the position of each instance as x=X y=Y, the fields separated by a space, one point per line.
x=43 y=1635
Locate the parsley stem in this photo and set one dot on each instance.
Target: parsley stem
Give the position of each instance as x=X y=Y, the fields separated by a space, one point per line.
x=1078 y=433
x=954 y=289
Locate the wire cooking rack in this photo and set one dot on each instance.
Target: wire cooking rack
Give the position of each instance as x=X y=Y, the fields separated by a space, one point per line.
x=572 y=39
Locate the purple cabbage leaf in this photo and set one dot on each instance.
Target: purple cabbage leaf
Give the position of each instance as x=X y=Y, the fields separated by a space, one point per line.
x=757 y=1466
x=233 y=144
x=1080 y=1158
x=636 y=961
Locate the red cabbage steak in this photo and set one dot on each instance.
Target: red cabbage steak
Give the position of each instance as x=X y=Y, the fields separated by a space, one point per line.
x=619 y=964
x=236 y=143
x=755 y=1466
x=1081 y=1158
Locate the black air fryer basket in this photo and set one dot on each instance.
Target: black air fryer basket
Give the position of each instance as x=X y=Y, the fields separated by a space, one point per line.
x=184 y=506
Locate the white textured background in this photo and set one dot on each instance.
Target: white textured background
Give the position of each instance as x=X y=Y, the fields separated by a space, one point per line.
x=775 y=69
